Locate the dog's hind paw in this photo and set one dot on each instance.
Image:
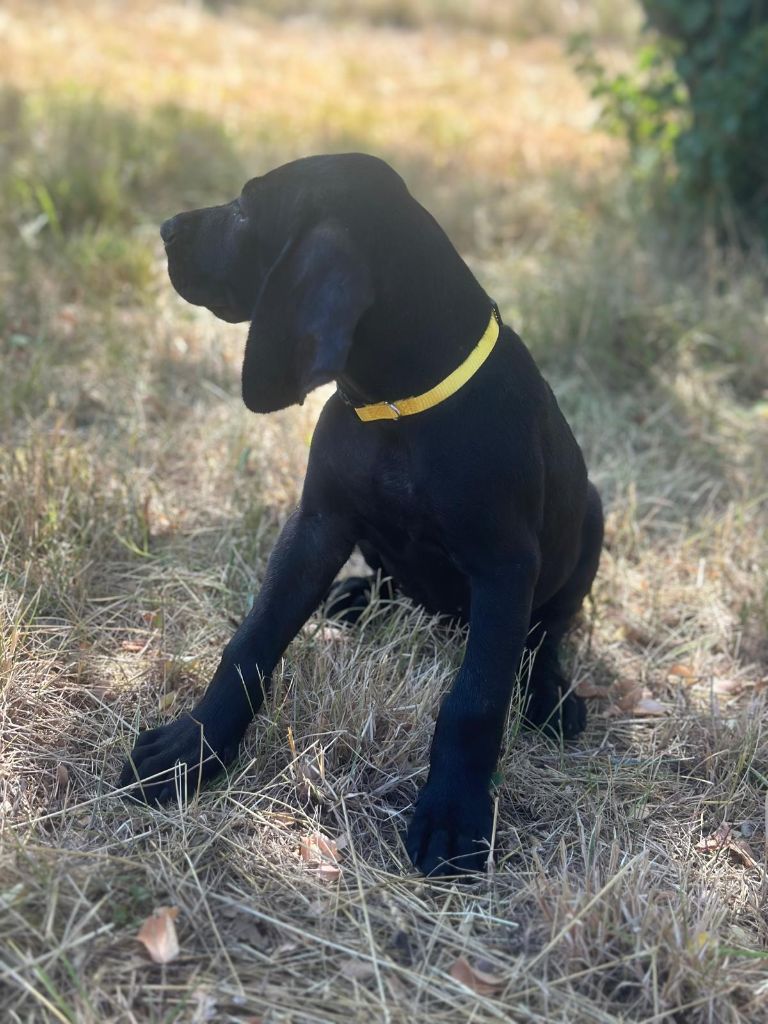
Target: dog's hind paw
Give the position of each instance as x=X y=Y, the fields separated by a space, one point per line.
x=558 y=712
x=348 y=598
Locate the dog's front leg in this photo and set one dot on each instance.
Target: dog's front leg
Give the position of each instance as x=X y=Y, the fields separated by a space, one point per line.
x=451 y=826
x=310 y=551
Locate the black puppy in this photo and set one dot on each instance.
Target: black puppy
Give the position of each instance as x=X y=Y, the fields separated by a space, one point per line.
x=443 y=455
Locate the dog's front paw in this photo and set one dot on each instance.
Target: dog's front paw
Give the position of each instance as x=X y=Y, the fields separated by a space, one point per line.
x=451 y=829
x=175 y=760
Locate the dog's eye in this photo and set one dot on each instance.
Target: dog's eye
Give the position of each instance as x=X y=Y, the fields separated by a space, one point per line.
x=239 y=212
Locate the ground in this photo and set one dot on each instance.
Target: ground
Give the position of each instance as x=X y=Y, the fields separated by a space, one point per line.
x=139 y=501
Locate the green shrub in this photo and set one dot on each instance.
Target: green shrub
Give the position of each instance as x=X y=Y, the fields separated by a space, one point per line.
x=695 y=109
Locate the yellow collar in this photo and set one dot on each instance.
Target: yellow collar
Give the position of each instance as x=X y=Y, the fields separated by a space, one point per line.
x=447 y=387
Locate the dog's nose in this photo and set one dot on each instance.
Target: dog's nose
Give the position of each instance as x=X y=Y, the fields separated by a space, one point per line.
x=169 y=229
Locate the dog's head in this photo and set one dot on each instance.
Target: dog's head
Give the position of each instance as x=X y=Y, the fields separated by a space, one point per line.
x=286 y=254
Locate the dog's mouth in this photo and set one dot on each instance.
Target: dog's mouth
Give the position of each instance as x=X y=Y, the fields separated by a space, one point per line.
x=223 y=306
x=225 y=313
x=226 y=306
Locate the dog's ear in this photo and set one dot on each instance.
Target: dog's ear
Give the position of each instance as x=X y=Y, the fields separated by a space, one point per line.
x=305 y=318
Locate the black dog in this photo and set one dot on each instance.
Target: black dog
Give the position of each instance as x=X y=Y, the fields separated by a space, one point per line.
x=443 y=455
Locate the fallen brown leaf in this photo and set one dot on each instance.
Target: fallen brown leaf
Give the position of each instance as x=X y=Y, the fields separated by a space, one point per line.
x=133 y=645
x=724 y=838
x=625 y=693
x=158 y=934
x=166 y=701
x=682 y=671
x=743 y=851
x=716 y=840
x=62 y=777
x=321 y=854
x=592 y=690
x=480 y=977
x=727 y=687
x=316 y=847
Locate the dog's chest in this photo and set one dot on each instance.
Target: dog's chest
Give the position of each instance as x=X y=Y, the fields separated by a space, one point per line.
x=391 y=498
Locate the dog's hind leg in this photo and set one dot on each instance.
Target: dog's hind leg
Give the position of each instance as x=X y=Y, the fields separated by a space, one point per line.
x=548 y=704
x=348 y=598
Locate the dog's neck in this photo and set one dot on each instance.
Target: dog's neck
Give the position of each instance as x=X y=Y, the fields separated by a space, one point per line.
x=404 y=348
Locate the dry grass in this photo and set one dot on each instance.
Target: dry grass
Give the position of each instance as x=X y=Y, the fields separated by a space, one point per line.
x=445 y=96
x=138 y=502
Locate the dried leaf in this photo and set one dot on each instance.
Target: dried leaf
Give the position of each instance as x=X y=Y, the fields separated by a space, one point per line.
x=649 y=706
x=480 y=978
x=724 y=838
x=133 y=645
x=62 y=777
x=315 y=847
x=166 y=701
x=158 y=934
x=717 y=840
x=682 y=671
x=322 y=854
x=727 y=687
x=625 y=693
x=743 y=851
x=592 y=690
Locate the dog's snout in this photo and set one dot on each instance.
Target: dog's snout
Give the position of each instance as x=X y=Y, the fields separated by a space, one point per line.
x=169 y=229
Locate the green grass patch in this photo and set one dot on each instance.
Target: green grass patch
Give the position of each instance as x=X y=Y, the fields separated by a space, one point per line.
x=76 y=163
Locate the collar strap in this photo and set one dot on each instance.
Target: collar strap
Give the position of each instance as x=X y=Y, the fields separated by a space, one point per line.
x=447 y=387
